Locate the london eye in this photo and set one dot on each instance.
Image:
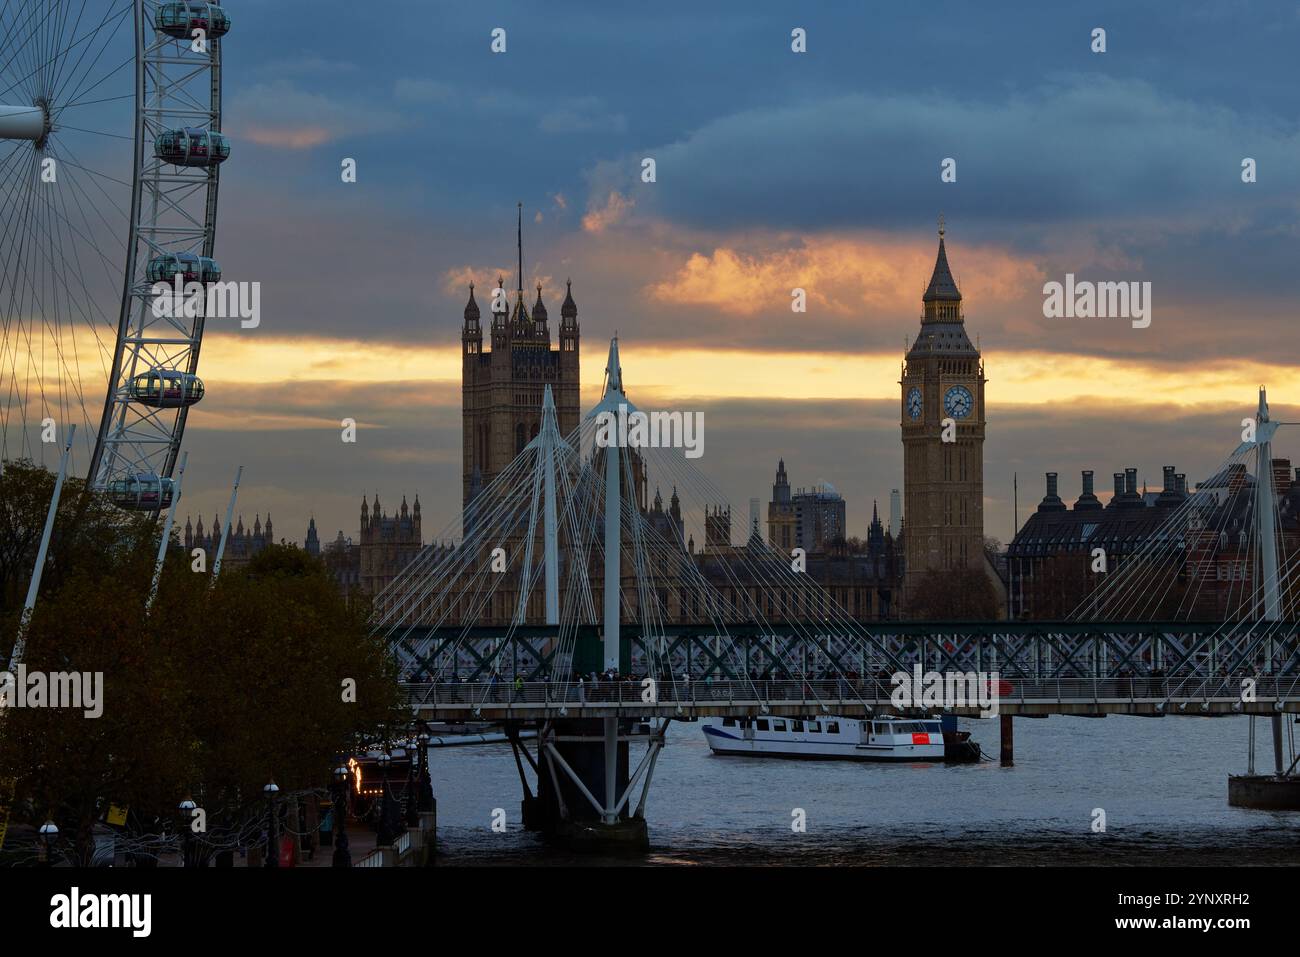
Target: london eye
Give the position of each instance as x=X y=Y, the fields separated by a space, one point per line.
x=110 y=151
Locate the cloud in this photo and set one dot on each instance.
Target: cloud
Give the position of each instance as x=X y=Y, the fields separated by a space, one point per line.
x=840 y=274
x=1078 y=147
x=280 y=115
x=582 y=115
x=614 y=210
x=419 y=90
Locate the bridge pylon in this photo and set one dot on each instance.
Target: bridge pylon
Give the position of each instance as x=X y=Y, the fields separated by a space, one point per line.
x=585 y=784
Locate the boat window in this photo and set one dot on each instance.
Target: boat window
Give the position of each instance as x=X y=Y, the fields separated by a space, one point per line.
x=796 y=725
x=728 y=722
x=833 y=727
x=778 y=725
x=932 y=726
x=761 y=724
x=813 y=727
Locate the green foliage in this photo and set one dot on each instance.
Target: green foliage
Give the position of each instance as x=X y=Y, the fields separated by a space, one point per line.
x=216 y=691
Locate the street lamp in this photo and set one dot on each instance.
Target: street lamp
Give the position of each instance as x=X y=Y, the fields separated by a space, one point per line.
x=186 y=807
x=49 y=832
x=272 y=851
x=342 y=856
x=384 y=834
x=426 y=784
x=412 y=796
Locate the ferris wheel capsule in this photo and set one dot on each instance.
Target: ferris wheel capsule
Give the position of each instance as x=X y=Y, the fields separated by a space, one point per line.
x=189 y=266
x=191 y=146
x=143 y=491
x=166 y=389
x=181 y=19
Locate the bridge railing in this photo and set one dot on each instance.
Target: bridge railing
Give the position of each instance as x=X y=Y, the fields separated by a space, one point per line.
x=1144 y=688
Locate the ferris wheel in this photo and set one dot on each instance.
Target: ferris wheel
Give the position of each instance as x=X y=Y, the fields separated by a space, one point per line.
x=110 y=146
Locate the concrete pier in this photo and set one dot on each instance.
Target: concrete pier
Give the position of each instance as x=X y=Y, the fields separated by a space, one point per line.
x=566 y=809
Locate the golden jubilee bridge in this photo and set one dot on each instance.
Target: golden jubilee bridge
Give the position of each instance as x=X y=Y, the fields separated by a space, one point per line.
x=566 y=606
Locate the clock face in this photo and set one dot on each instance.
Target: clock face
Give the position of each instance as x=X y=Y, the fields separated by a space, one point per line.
x=914 y=403
x=958 y=402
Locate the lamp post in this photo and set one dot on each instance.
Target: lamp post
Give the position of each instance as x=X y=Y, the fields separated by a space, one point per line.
x=412 y=795
x=384 y=835
x=272 y=848
x=49 y=832
x=186 y=807
x=426 y=784
x=342 y=789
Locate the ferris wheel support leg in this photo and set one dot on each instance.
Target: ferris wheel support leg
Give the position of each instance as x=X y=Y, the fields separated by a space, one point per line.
x=34 y=588
x=225 y=531
x=166 y=535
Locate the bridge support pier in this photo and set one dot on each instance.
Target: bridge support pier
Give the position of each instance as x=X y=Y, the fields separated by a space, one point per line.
x=1279 y=755
x=585 y=791
x=1008 y=742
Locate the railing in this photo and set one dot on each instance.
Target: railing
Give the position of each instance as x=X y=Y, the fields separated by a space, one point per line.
x=1148 y=690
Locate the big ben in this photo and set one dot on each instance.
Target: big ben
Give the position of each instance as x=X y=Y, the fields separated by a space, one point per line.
x=942 y=420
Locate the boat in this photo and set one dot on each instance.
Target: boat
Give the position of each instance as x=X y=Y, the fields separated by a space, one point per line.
x=830 y=737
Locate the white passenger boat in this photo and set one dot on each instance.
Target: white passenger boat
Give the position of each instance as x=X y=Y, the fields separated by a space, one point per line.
x=878 y=739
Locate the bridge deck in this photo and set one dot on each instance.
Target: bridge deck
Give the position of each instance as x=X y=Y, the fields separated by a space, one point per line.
x=537 y=700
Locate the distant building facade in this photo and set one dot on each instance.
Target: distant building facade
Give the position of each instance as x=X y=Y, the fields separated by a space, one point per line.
x=502 y=386
x=242 y=545
x=388 y=544
x=1201 y=565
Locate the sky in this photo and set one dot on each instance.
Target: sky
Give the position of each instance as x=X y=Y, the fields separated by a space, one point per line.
x=774 y=170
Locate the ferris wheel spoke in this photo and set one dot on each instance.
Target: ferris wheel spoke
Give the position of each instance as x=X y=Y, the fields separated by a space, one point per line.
x=75 y=98
x=28 y=50
x=19 y=36
x=118 y=20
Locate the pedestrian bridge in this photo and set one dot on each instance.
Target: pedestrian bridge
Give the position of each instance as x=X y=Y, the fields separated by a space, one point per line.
x=1089 y=697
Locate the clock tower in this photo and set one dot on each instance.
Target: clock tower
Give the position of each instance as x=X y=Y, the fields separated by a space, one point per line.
x=943 y=436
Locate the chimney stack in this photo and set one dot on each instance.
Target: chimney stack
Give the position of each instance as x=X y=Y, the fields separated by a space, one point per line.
x=1088 y=499
x=1181 y=480
x=1130 y=481
x=1169 y=478
x=1051 y=501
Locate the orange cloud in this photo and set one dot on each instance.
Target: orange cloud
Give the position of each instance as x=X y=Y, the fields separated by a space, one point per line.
x=615 y=210
x=302 y=138
x=840 y=275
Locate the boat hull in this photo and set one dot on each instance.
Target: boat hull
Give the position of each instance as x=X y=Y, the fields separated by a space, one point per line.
x=723 y=743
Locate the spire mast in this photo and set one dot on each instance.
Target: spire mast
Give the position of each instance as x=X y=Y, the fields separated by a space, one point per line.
x=520 y=245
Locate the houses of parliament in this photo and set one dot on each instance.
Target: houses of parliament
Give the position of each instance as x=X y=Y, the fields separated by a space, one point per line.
x=942 y=422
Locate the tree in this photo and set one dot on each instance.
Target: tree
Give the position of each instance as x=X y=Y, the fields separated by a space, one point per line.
x=954 y=594
x=212 y=693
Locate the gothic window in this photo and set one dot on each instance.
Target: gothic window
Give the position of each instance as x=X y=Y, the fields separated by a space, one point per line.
x=519 y=438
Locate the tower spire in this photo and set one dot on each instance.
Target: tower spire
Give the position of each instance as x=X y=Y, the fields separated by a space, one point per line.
x=520 y=243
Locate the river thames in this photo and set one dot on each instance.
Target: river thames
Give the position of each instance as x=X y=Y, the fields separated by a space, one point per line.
x=1162 y=784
